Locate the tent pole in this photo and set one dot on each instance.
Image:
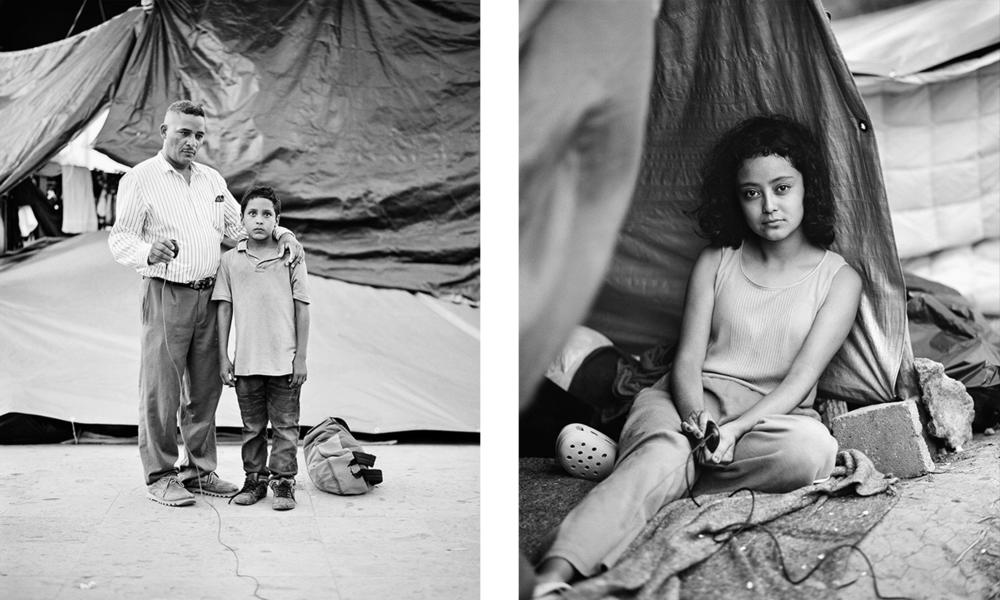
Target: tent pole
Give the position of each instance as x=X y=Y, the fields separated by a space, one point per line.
x=78 y=13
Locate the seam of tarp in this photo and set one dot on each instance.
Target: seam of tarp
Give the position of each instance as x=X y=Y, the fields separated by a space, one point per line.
x=461 y=325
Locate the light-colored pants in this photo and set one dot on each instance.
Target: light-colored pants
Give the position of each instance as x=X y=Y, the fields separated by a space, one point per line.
x=179 y=347
x=780 y=454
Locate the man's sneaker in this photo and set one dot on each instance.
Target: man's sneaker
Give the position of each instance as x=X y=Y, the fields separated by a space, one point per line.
x=254 y=489
x=284 y=494
x=167 y=490
x=211 y=485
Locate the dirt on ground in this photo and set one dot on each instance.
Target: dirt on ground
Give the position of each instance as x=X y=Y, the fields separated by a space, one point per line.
x=942 y=539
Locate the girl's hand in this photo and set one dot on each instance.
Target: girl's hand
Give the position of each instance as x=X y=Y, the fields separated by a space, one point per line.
x=226 y=372
x=697 y=428
x=694 y=425
x=729 y=434
x=298 y=376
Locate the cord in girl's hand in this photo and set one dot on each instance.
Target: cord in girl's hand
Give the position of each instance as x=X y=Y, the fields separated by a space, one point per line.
x=699 y=428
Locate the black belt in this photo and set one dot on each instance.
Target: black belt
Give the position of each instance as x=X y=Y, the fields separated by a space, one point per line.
x=194 y=285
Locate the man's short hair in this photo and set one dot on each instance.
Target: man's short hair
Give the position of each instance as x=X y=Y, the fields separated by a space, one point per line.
x=186 y=107
x=261 y=191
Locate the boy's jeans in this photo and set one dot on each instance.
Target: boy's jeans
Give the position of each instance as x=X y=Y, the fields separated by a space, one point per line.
x=263 y=398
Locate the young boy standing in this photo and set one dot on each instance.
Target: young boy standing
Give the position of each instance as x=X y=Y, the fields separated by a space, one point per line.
x=270 y=304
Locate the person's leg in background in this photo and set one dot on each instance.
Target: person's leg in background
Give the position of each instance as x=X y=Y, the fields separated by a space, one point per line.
x=585 y=73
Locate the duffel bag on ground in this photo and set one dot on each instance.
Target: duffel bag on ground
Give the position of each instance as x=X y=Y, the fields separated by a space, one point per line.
x=336 y=462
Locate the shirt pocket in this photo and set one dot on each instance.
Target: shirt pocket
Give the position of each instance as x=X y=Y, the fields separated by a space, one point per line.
x=217 y=211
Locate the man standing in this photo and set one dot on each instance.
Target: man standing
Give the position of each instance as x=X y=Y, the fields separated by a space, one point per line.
x=172 y=216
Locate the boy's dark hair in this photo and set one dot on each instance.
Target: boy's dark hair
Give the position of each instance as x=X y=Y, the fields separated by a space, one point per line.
x=186 y=107
x=720 y=217
x=261 y=191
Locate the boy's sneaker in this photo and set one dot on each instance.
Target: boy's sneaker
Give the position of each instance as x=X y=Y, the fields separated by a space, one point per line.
x=284 y=493
x=254 y=489
x=211 y=485
x=167 y=490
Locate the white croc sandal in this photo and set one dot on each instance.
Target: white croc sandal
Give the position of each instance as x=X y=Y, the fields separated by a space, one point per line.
x=585 y=452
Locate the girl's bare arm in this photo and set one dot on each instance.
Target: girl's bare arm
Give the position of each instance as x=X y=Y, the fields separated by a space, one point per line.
x=699 y=302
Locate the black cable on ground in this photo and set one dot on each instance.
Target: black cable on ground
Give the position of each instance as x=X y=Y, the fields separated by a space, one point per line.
x=183 y=395
x=729 y=532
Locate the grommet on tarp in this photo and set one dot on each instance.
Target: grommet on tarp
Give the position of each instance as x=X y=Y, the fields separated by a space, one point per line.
x=862 y=125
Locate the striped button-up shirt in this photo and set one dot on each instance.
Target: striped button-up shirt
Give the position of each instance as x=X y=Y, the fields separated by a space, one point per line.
x=155 y=203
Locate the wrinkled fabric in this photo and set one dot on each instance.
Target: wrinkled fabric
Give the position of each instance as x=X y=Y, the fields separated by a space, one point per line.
x=585 y=68
x=363 y=115
x=717 y=63
x=683 y=536
x=946 y=328
x=49 y=93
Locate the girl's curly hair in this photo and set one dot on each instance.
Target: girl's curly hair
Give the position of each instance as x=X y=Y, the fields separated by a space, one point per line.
x=719 y=215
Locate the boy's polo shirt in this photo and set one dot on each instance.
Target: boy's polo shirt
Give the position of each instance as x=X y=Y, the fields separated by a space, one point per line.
x=262 y=291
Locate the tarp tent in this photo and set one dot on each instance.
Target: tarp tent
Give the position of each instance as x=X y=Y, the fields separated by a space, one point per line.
x=385 y=360
x=363 y=115
x=716 y=63
x=929 y=74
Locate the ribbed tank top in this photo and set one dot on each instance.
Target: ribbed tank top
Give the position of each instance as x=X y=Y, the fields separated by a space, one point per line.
x=758 y=330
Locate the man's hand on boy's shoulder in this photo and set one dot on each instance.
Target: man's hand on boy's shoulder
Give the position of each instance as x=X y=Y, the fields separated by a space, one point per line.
x=291 y=249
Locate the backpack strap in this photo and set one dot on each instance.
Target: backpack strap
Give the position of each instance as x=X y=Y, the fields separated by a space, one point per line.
x=360 y=468
x=363 y=458
x=372 y=476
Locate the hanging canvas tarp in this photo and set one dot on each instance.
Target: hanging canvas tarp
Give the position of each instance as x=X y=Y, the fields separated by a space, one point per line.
x=364 y=116
x=49 y=93
x=717 y=63
x=385 y=360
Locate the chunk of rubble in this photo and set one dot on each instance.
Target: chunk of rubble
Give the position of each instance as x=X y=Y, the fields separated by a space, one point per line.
x=950 y=407
x=889 y=434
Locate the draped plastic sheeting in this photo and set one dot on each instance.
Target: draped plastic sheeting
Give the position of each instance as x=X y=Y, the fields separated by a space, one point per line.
x=915 y=37
x=935 y=104
x=717 y=63
x=384 y=360
x=363 y=115
x=49 y=93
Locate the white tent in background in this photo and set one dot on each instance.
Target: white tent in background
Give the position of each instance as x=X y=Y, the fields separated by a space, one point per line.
x=79 y=152
x=929 y=73
x=385 y=360
x=75 y=162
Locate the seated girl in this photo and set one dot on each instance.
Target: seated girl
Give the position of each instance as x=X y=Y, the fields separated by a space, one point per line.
x=767 y=307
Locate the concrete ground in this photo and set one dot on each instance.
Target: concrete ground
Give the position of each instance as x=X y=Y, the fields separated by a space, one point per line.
x=942 y=539
x=75 y=523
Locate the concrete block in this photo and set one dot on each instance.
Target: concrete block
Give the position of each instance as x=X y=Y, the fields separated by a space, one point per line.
x=889 y=434
x=950 y=407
